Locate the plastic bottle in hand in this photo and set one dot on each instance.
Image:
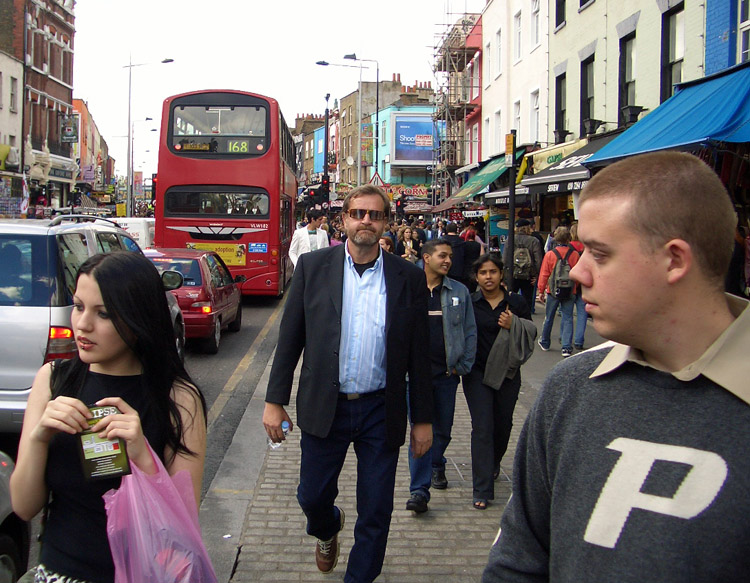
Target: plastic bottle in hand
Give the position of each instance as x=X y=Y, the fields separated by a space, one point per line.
x=285 y=429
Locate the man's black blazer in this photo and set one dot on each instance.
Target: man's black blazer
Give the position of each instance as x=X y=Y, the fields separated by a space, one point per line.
x=312 y=321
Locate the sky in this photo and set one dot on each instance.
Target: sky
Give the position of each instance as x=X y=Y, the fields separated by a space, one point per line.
x=262 y=46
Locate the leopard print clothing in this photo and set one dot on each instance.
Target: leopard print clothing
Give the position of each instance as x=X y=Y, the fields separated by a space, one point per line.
x=44 y=575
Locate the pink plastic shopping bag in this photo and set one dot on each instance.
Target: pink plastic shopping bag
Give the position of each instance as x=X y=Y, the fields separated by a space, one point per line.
x=153 y=531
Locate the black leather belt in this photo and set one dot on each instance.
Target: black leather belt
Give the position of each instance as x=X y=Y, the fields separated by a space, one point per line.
x=352 y=396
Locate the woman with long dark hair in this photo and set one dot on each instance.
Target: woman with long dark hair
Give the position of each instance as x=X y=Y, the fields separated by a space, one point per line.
x=491 y=387
x=127 y=358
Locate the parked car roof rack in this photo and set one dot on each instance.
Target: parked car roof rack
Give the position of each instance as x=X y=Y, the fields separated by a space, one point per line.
x=80 y=219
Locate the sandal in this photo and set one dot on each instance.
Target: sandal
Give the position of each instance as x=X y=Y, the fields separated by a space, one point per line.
x=480 y=504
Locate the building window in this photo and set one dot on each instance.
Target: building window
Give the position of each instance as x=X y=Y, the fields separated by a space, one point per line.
x=517 y=37
x=474 y=79
x=383 y=134
x=534 y=117
x=350 y=115
x=499 y=137
x=559 y=13
x=627 y=73
x=517 y=117
x=744 y=31
x=487 y=136
x=13 y=94
x=67 y=71
x=560 y=102
x=475 y=143
x=498 y=52
x=673 y=49
x=55 y=61
x=587 y=91
x=535 y=38
x=467 y=146
x=487 y=55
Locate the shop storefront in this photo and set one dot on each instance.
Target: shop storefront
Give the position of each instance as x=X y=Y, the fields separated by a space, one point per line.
x=710 y=118
x=557 y=186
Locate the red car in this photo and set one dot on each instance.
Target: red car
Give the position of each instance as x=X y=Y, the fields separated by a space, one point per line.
x=210 y=298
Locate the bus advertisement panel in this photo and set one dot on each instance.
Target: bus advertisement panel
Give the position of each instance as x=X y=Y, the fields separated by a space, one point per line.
x=227 y=182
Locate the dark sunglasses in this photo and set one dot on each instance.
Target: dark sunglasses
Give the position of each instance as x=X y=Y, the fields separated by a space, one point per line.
x=360 y=214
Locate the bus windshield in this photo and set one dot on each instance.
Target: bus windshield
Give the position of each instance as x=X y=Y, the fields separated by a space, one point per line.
x=219 y=129
x=196 y=201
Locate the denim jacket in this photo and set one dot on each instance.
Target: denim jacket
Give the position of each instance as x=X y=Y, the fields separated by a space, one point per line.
x=459 y=327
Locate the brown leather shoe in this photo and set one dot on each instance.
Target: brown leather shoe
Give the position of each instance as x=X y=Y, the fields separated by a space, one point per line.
x=327 y=551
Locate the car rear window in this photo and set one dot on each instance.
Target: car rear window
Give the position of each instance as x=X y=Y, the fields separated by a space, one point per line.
x=189 y=269
x=26 y=276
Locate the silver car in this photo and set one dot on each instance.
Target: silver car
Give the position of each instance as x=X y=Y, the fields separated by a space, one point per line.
x=38 y=264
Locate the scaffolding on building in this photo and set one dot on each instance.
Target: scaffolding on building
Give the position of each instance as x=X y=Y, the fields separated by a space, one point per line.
x=455 y=89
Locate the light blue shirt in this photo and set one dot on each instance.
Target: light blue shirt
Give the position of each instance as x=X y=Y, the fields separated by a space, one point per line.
x=362 y=349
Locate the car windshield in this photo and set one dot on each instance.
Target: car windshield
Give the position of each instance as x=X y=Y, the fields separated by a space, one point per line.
x=189 y=269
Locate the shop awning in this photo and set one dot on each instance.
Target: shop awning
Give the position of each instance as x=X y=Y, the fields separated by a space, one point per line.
x=485 y=176
x=713 y=109
x=555 y=153
x=569 y=173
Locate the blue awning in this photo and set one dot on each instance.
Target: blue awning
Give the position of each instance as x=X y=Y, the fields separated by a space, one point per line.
x=712 y=109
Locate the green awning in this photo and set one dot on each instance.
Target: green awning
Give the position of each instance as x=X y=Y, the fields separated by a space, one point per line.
x=490 y=172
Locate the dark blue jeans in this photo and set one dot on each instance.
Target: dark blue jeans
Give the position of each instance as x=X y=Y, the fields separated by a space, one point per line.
x=361 y=422
x=444 y=400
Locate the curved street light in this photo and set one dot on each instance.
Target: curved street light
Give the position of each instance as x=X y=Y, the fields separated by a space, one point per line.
x=376 y=145
x=359 y=107
x=129 y=189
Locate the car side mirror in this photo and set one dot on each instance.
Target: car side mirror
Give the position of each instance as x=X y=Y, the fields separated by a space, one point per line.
x=240 y=279
x=171 y=279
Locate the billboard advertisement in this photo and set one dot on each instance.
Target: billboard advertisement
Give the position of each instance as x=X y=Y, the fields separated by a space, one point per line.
x=414 y=139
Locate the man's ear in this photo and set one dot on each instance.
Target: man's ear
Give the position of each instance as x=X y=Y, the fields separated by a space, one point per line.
x=679 y=256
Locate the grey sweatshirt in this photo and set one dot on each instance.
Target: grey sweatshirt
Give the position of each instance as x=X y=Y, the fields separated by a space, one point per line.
x=633 y=476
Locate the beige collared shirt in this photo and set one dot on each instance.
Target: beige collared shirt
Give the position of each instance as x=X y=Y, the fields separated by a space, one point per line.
x=725 y=362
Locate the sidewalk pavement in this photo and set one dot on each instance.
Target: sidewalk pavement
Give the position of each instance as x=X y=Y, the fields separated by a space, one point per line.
x=450 y=543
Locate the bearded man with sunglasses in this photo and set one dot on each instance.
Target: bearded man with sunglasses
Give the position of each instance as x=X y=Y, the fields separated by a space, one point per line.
x=373 y=308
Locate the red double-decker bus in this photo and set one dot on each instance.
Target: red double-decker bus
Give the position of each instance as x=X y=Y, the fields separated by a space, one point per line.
x=227 y=182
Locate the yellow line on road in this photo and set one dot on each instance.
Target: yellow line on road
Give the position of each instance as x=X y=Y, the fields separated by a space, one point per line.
x=242 y=367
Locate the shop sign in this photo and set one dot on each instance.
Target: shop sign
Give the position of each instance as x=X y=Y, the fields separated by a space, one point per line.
x=417 y=207
x=411 y=192
x=60 y=173
x=475 y=214
x=69 y=129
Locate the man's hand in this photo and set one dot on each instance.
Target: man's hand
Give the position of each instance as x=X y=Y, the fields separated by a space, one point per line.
x=542 y=297
x=273 y=415
x=421 y=439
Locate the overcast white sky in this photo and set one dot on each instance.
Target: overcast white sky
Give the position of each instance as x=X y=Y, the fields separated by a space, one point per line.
x=268 y=47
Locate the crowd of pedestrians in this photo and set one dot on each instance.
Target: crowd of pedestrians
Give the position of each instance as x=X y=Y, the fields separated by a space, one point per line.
x=631 y=465
x=577 y=513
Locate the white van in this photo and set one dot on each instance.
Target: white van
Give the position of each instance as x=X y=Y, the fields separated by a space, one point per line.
x=141 y=229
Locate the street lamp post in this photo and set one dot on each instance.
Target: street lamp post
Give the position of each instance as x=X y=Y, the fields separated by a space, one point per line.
x=376 y=145
x=131 y=168
x=129 y=188
x=359 y=106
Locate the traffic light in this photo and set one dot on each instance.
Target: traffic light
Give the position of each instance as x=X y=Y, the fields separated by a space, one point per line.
x=154 y=180
x=324 y=189
x=399 y=206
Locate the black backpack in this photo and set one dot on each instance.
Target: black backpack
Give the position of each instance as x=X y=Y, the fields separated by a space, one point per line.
x=560 y=285
x=523 y=263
